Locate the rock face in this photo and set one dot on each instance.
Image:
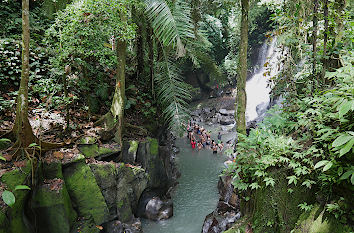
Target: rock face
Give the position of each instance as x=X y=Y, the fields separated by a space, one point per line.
x=227 y=211
x=79 y=193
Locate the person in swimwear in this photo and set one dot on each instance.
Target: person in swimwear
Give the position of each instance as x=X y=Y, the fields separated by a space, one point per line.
x=200 y=146
x=221 y=146
x=193 y=143
x=215 y=149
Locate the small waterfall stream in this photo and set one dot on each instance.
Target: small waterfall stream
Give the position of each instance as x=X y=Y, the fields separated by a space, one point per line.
x=257 y=87
x=197 y=194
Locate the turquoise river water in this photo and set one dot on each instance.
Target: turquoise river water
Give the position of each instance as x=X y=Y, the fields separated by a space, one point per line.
x=196 y=194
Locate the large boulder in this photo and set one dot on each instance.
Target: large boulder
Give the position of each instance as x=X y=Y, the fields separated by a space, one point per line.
x=131 y=182
x=52 y=207
x=149 y=157
x=227 y=211
x=105 y=175
x=85 y=193
x=226 y=120
x=11 y=219
x=152 y=207
x=226 y=112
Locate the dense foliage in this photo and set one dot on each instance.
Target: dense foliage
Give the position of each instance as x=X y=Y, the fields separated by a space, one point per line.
x=311 y=136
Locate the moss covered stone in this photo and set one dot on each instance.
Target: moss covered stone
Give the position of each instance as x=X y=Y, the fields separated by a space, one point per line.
x=4 y=222
x=133 y=147
x=11 y=179
x=52 y=205
x=85 y=192
x=315 y=222
x=154 y=146
x=275 y=209
x=105 y=174
x=91 y=151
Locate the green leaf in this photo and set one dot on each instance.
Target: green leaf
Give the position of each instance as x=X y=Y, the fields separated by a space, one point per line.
x=22 y=187
x=342 y=139
x=352 y=179
x=8 y=197
x=346 y=175
x=346 y=148
x=328 y=166
x=2 y=158
x=5 y=140
x=344 y=108
x=321 y=163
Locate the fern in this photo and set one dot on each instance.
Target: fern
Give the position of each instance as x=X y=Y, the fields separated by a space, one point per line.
x=171 y=28
x=173 y=93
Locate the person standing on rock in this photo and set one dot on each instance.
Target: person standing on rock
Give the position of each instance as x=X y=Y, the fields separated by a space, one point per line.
x=219 y=138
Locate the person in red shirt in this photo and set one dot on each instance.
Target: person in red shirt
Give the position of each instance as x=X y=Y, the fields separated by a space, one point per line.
x=193 y=144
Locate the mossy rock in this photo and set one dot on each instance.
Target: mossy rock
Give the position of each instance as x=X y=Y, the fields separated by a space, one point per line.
x=11 y=179
x=154 y=146
x=52 y=170
x=315 y=222
x=131 y=184
x=4 y=222
x=105 y=175
x=91 y=151
x=276 y=210
x=53 y=207
x=85 y=192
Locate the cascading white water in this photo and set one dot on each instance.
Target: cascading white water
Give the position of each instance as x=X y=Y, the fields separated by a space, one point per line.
x=257 y=87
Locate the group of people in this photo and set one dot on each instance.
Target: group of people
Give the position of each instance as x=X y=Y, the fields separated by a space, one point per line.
x=200 y=138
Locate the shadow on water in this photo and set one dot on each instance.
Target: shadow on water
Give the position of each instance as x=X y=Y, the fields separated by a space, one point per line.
x=196 y=194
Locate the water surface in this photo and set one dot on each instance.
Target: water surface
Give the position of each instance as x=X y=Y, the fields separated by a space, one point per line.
x=196 y=194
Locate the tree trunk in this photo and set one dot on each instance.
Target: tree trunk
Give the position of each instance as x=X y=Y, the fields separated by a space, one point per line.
x=22 y=130
x=242 y=72
x=117 y=108
x=314 y=37
x=150 y=43
x=140 y=47
x=325 y=39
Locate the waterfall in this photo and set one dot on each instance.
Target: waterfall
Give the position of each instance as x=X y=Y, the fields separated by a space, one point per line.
x=257 y=87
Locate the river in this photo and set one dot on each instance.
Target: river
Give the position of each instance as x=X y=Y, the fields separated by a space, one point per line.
x=196 y=195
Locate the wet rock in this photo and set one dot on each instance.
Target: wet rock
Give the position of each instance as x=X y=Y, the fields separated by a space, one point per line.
x=196 y=113
x=226 y=121
x=227 y=211
x=117 y=226
x=152 y=207
x=225 y=112
x=262 y=108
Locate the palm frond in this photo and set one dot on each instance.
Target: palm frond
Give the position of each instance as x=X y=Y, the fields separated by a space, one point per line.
x=172 y=27
x=173 y=93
